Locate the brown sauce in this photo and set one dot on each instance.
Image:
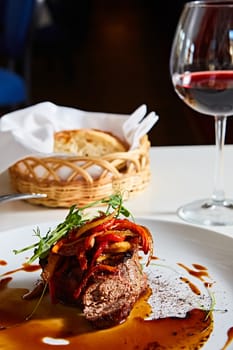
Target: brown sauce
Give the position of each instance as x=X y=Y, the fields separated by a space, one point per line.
x=199 y=267
x=25 y=267
x=154 y=258
x=191 y=285
x=67 y=324
x=200 y=271
x=229 y=338
x=3 y=262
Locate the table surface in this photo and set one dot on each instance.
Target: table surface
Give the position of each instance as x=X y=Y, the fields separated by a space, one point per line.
x=180 y=174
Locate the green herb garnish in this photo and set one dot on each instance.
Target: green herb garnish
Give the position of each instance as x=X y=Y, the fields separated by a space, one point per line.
x=74 y=219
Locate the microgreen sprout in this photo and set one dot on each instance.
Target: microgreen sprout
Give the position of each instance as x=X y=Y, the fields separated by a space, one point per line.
x=74 y=219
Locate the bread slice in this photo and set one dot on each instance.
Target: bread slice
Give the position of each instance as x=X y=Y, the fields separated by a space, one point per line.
x=87 y=142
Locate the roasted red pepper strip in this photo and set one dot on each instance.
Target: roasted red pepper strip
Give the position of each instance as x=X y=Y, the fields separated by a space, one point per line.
x=105 y=226
x=141 y=231
x=150 y=243
x=74 y=236
x=110 y=237
x=101 y=236
x=81 y=256
x=90 y=240
x=55 y=249
x=121 y=224
x=99 y=251
x=93 y=224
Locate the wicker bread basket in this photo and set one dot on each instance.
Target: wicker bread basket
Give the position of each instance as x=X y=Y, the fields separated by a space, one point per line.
x=69 y=180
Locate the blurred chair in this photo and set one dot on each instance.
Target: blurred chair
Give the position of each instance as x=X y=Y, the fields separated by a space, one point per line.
x=16 y=23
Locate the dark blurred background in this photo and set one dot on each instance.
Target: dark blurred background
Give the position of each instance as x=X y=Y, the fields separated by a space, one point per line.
x=112 y=56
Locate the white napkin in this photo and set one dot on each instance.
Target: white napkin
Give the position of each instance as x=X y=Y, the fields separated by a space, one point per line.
x=30 y=131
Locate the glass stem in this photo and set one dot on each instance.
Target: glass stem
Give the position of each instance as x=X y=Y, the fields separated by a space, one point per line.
x=220 y=132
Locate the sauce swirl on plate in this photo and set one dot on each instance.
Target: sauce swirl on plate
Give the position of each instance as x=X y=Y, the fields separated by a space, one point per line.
x=59 y=324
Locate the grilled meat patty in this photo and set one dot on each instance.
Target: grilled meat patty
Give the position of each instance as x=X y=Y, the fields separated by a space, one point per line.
x=108 y=297
x=108 y=300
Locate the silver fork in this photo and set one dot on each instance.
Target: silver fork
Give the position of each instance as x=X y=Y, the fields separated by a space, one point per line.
x=18 y=196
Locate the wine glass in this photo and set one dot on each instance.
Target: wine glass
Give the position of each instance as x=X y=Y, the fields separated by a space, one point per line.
x=201 y=68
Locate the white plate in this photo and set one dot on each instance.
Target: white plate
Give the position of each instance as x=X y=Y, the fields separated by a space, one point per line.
x=174 y=243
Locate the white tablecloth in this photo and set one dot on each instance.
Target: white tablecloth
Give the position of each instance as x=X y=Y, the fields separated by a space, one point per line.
x=179 y=175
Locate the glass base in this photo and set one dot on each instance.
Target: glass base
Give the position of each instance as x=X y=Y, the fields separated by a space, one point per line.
x=208 y=212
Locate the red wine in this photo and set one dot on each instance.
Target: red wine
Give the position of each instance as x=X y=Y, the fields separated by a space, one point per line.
x=208 y=92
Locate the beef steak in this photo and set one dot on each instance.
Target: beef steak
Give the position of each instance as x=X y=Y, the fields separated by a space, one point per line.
x=108 y=300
